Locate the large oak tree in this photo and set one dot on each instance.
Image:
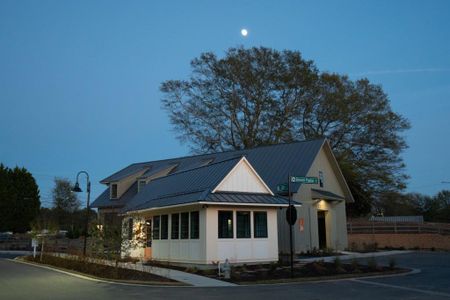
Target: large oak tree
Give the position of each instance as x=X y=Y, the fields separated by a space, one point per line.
x=261 y=96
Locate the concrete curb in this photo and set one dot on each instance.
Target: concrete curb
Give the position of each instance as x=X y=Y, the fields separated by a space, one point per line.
x=352 y=255
x=412 y=272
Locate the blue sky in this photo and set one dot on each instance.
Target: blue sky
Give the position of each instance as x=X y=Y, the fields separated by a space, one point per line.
x=79 y=79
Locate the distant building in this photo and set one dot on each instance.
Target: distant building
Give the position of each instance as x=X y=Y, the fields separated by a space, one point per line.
x=206 y=208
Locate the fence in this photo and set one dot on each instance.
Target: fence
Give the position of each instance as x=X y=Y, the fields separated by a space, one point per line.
x=397 y=227
x=53 y=244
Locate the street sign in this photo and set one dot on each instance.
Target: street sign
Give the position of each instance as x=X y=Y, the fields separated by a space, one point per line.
x=306 y=180
x=283 y=187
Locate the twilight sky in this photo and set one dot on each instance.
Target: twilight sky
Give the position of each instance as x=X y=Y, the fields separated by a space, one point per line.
x=79 y=80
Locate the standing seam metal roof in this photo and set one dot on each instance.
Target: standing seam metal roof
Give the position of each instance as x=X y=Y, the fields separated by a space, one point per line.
x=273 y=163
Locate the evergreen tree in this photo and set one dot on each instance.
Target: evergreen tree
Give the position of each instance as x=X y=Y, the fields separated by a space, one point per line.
x=19 y=199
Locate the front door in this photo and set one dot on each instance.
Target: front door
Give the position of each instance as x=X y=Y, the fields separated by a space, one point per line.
x=322 y=229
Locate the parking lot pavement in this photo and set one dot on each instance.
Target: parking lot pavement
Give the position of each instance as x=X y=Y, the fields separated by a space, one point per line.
x=434 y=275
x=19 y=281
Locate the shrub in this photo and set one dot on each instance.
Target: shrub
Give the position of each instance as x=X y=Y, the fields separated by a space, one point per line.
x=355 y=265
x=371 y=247
x=353 y=246
x=337 y=263
x=392 y=263
x=372 y=264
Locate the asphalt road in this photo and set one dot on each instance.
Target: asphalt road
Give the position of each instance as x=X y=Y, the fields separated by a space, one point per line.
x=19 y=281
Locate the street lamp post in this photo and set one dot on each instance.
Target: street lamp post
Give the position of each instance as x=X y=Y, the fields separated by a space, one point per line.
x=77 y=189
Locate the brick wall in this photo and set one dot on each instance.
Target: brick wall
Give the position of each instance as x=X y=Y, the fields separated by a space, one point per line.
x=399 y=240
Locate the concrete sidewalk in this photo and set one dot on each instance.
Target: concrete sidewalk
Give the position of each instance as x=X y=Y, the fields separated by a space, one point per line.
x=351 y=255
x=188 y=278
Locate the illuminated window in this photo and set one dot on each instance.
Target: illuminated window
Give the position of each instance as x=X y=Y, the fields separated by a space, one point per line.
x=225 y=224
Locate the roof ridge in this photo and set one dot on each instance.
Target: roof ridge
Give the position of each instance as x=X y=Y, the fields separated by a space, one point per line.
x=227 y=151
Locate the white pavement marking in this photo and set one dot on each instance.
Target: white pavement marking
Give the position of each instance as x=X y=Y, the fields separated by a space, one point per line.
x=91 y=278
x=402 y=288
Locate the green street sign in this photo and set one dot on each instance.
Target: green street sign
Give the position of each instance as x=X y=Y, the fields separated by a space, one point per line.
x=306 y=180
x=283 y=187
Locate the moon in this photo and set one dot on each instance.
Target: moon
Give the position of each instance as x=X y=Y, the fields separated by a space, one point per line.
x=244 y=32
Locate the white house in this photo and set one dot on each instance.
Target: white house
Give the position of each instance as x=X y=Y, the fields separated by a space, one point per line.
x=207 y=208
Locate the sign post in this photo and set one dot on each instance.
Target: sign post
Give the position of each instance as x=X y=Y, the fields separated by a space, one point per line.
x=290 y=226
x=34 y=244
x=291 y=213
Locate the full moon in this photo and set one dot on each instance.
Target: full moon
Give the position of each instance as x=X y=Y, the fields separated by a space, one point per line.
x=244 y=32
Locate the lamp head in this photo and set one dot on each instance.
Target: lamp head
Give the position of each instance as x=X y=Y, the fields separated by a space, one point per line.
x=76 y=188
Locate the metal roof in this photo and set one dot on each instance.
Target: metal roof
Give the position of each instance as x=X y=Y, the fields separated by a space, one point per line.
x=247 y=198
x=273 y=163
x=325 y=195
x=174 y=188
x=219 y=198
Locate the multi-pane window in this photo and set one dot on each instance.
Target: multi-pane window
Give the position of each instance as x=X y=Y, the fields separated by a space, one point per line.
x=130 y=228
x=184 y=225
x=175 y=232
x=195 y=226
x=164 y=227
x=225 y=224
x=156 y=221
x=260 y=224
x=243 y=224
x=113 y=190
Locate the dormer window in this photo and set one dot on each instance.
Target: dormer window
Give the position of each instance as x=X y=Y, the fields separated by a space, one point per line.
x=141 y=185
x=206 y=162
x=113 y=190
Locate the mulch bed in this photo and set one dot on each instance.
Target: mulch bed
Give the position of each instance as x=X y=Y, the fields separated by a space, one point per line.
x=99 y=270
x=314 y=270
x=277 y=272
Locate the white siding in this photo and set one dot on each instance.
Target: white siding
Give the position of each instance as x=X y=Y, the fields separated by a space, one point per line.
x=241 y=250
x=335 y=217
x=242 y=179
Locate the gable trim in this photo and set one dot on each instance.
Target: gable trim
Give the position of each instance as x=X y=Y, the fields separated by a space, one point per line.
x=337 y=169
x=245 y=161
